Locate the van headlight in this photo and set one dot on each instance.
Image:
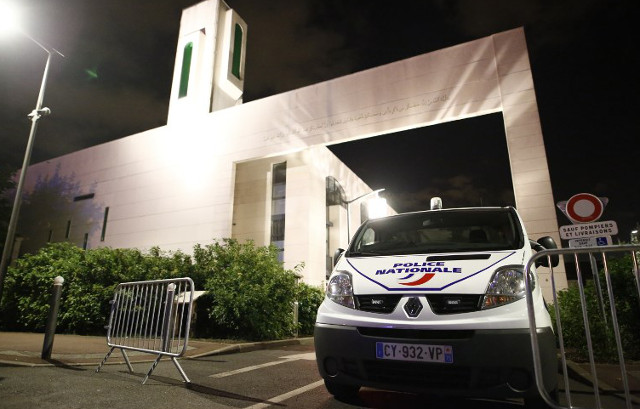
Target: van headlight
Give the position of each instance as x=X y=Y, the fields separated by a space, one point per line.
x=340 y=289
x=506 y=286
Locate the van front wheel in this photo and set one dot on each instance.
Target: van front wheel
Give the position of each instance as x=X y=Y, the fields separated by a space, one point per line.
x=537 y=402
x=340 y=390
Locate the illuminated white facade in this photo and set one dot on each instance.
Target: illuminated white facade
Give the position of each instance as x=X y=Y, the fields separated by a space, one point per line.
x=209 y=173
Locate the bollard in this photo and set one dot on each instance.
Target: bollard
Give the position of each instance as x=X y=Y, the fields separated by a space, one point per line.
x=296 y=311
x=52 y=318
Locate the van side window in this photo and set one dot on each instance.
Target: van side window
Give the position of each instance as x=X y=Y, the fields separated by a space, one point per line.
x=368 y=237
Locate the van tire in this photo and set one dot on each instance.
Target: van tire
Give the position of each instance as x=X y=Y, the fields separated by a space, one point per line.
x=537 y=402
x=340 y=390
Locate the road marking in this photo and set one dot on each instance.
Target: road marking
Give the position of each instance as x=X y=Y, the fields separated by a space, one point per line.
x=287 y=395
x=310 y=356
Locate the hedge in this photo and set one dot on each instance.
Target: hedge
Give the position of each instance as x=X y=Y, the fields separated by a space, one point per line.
x=250 y=295
x=627 y=308
x=90 y=278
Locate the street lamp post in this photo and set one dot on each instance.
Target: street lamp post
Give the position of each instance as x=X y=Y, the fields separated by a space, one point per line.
x=34 y=116
x=348 y=202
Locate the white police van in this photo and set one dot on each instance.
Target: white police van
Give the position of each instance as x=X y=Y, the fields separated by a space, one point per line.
x=434 y=302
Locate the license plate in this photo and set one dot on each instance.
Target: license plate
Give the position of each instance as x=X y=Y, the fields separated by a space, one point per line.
x=414 y=352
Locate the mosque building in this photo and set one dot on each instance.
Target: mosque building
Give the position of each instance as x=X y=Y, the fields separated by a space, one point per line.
x=261 y=170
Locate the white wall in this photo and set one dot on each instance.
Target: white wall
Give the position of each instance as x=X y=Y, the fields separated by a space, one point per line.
x=305 y=223
x=173 y=186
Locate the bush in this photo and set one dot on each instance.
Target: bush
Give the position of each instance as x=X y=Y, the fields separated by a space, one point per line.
x=90 y=279
x=627 y=310
x=252 y=294
x=309 y=299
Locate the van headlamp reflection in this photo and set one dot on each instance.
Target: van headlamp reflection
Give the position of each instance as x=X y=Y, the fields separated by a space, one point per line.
x=340 y=289
x=506 y=286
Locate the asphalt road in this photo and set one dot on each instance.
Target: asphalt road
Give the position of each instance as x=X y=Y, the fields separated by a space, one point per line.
x=285 y=377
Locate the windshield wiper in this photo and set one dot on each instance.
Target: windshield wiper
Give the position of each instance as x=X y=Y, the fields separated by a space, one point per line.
x=363 y=253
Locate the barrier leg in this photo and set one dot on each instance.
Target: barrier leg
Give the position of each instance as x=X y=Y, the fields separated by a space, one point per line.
x=126 y=359
x=105 y=359
x=182 y=373
x=153 y=366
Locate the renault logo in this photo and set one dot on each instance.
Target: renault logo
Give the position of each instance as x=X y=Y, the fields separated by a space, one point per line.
x=413 y=307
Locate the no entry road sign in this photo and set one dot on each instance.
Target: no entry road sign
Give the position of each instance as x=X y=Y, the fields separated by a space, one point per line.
x=584 y=208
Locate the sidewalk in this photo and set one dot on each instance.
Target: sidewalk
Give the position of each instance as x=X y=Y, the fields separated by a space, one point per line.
x=25 y=349
x=609 y=377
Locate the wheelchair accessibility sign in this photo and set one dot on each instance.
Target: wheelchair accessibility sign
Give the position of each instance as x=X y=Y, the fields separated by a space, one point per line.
x=590 y=242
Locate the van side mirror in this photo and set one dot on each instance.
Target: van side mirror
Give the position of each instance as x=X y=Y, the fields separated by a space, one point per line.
x=546 y=243
x=337 y=255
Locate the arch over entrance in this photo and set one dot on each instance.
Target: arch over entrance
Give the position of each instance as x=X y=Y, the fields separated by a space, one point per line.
x=488 y=75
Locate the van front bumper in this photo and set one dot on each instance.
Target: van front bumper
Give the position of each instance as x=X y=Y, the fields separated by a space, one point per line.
x=486 y=363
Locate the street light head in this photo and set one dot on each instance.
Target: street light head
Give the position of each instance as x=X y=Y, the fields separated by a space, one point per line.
x=9 y=18
x=11 y=23
x=377 y=208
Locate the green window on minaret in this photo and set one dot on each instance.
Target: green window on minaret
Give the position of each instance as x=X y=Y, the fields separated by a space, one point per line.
x=186 y=69
x=237 y=51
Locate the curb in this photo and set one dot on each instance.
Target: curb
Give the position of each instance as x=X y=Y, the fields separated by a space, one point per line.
x=230 y=349
x=576 y=372
x=252 y=346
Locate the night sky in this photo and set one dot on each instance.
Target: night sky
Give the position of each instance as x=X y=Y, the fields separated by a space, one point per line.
x=116 y=76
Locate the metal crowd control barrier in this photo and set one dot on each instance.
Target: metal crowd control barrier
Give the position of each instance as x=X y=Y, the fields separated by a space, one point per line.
x=604 y=253
x=152 y=317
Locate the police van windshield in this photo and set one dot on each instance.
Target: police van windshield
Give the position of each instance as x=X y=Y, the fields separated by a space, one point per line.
x=439 y=231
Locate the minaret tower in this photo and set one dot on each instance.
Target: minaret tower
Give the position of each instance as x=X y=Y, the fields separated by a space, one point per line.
x=209 y=69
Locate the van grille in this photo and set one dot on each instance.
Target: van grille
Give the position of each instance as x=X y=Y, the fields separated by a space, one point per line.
x=414 y=334
x=454 y=303
x=440 y=303
x=382 y=303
